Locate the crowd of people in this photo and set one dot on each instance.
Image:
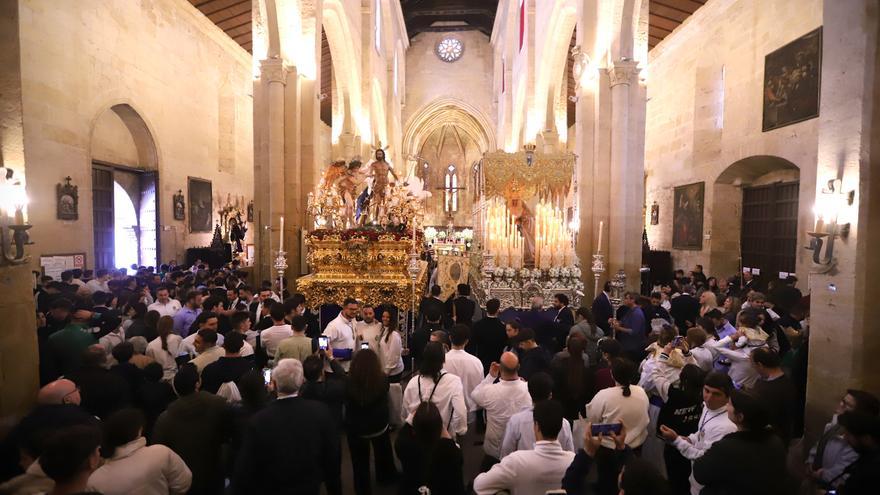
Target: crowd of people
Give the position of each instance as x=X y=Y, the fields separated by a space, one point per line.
x=188 y=380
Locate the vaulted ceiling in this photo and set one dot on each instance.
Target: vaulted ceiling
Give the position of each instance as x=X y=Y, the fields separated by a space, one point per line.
x=234 y=16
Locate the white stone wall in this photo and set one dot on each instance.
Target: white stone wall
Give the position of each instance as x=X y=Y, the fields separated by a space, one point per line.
x=704 y=113
x=469 y=79
x=187 y=80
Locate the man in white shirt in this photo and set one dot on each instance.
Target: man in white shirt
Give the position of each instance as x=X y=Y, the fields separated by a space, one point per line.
x=713 y=426
x=341 y=332
x=206 y=345
x=368 y=329
x=465 y=366
x=520 y=432
x=99 y=283
x=205 y=321
x=501 y=401
x=164 y=304
x=529 y=472
x=280 y=330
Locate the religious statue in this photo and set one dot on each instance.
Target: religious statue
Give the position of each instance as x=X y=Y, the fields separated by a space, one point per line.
x=237 y=231
x=348 y=184
x=525 y=223
x=379 y=170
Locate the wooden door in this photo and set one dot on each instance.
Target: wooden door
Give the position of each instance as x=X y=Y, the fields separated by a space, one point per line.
x=102 y=212
x=148 y=220
x=769 y=228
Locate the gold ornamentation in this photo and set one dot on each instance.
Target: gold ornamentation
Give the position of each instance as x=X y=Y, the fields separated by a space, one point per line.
x=508 y=175
x=371 y=271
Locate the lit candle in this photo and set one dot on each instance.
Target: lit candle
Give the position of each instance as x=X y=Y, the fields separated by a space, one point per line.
x=601 y=227
x=281 y=237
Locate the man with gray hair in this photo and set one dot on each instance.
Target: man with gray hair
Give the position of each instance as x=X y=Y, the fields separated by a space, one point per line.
x=292 y=445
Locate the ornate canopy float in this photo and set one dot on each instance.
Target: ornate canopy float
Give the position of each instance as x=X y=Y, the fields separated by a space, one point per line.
x=529 y=220
x=367 y=241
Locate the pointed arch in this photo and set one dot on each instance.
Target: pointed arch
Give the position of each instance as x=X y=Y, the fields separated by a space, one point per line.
x=448 y=111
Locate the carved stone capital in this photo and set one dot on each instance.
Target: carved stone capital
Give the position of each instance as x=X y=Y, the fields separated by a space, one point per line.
x=273 y=70
x=623 y=72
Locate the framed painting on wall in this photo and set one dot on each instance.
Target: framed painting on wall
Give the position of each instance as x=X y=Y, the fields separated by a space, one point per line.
x=200 y=205
x=792 y=80
x=687 y=216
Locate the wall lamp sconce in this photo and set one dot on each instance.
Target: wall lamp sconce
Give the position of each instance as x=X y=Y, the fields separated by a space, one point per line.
x=832 y=200
x=13 y=229
x=530 y=154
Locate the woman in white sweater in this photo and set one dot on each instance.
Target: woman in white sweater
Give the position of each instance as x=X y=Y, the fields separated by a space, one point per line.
x=165 y=348
x=132 y=467
x=624 y=403
x=390 y=348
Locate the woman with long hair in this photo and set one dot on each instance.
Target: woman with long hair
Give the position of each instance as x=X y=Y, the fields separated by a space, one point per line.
x=132 y=466
x=625 y=403
x=366 y=421
x=165 y=348
x=135 y=326
x=758 y=455
x=708 y=302
x=391 y=348
x=731 y=308
x=572 y=377
x=432 y=384
x=428 y=456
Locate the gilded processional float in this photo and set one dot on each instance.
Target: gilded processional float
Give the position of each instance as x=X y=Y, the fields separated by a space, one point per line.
x=528 y=221
x=368 y=242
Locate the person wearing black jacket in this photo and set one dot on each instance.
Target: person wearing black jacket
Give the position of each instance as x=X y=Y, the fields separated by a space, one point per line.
x=291 y=446
x=103 y=392
x=420 y=338
x=685 y=309
x=489 y=335
x=366 y=421
x=328 y=388
x=463 y=308
x=432 y=302
x=602 y=309
x=228 y=368
x=750 y=460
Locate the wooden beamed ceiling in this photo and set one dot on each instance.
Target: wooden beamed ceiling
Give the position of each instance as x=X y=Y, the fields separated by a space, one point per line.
x=666 y=15
x=234 y=16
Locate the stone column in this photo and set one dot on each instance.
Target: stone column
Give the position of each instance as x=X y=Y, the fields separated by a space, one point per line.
x=844 y=340
x=626 y=176
x=269 y=124
x=19 y=366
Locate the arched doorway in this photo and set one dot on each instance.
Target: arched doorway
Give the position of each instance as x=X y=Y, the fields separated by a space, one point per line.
x=445 y=140
x=124 y=190
x=755 y=218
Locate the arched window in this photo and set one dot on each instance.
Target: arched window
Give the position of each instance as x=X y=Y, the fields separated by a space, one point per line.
x=450 y=193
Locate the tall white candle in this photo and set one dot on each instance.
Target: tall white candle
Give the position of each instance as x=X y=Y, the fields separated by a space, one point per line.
x=281 y=235
x=601 y=228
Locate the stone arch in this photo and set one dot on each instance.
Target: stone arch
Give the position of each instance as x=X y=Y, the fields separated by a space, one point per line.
x=139 y=130
x=448 y=111
x=348 y=113
x=724 y=202
x=551 y=71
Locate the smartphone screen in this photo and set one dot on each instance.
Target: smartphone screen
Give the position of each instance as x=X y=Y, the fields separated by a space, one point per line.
x=267 y=375
x=605 y=428
x=323 y=343
x=365 y=345
x=677 y=341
